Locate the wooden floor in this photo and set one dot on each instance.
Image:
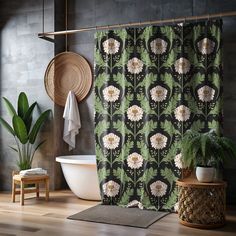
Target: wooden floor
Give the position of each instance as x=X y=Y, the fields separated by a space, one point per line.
x=38 y=217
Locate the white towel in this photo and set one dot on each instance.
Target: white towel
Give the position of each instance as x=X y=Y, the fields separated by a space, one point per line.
x=72 y=122
x=33 y=171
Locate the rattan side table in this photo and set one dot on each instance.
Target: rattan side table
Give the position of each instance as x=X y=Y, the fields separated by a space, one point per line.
x=201 y=205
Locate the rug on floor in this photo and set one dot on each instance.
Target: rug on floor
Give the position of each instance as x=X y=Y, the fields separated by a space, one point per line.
x=116 y=215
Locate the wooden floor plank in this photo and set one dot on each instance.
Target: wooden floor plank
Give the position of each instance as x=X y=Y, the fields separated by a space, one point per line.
x=49 y=218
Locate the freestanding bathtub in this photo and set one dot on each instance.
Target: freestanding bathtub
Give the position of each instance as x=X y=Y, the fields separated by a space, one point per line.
x=80 y=172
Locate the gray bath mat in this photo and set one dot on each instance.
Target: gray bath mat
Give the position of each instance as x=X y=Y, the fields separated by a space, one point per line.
x=119 y=216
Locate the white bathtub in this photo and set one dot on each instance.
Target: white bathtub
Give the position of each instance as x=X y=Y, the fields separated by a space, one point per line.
x=80 y=172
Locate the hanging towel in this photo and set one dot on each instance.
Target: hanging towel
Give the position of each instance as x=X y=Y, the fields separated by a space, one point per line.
x=33 y=171
x=72 y=122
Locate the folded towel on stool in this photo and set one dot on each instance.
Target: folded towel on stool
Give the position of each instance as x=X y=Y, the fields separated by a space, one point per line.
x=33 y=171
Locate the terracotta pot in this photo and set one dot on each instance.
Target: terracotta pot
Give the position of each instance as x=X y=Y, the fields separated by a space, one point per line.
x=205 y=174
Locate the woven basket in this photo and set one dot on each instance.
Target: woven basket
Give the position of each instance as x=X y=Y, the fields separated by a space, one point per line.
x=67 y=71
x=202 y=206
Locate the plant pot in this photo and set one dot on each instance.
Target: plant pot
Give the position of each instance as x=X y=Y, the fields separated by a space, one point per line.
x=205 y=174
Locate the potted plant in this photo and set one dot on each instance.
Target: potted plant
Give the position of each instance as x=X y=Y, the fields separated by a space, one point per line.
x=206 y=151
x=23 y=131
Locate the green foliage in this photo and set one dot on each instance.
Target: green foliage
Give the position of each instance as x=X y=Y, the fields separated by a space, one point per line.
x=206 y=149
x=28 y=116
x=99 y=153
x=38 y=124
x=171 y=152
x=23 y=105
x=20 y=129
x=119 y=126
x=11 y=110
x=120 y=174
x=101 y=80
x=168 y=127
x=99 y=60
x=198 y=125
x=25 y=135
x=101 y=127
x=168 y=174
x=149 y=174
x=103 y=173
x=171 y=200
x=149 y=126
x=126 y=197
x=168 y=80
x=7 y=126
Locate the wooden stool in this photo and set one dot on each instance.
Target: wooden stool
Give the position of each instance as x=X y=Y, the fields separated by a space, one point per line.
x=24 y=180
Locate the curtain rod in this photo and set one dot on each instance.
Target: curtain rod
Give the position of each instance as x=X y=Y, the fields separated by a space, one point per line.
x=107 y=27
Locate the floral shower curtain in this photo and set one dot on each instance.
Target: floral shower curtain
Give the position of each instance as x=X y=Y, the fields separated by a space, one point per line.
x=151 y=85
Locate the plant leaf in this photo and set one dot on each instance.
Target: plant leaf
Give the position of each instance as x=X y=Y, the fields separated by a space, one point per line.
x=28 y=116
x=40 y=144
x=7 y=126
x=14 y=149
x=34 y=132
x=11 y=110
x=20 y=129
x=23 y=105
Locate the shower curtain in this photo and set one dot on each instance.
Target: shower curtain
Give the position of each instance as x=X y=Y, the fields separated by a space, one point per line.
x=151 y=85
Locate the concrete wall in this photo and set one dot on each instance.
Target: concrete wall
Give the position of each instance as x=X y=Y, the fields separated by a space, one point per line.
x=21 y=20
x=23 y=59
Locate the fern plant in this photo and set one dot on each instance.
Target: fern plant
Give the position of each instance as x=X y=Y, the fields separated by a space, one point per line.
x=206 y=149
x=22 y=129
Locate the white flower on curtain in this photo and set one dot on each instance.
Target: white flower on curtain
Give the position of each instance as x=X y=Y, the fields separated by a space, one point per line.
x=111 y=93
x=206 y=93
x=158 y=93
x=135 y=66
x=135 y=161
x=111 y=46
x=182 y=113
x=135 y=113
x=135 y=203
x=111 y=188
x=206 y=46
x=158 y=188
x=178 y=161
x=158 y=141
x=111 y=141
x=176 y=207
x=158 y=46
x=182 y=65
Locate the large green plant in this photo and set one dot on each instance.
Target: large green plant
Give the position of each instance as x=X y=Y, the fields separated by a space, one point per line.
x=206 y=149
x=24 y=132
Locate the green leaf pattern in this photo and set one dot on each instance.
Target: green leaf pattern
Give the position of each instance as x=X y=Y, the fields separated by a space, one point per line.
x=151 y=85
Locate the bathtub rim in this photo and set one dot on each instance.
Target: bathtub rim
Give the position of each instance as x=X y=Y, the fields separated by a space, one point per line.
x=74 y=159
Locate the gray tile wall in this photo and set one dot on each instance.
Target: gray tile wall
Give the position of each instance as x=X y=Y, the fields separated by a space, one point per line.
x=24 y=59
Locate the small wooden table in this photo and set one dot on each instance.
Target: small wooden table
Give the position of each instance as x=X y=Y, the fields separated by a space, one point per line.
x=24 y=180
x=201 y=205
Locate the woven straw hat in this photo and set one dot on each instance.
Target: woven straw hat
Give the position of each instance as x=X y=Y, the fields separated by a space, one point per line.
x=67 y=71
